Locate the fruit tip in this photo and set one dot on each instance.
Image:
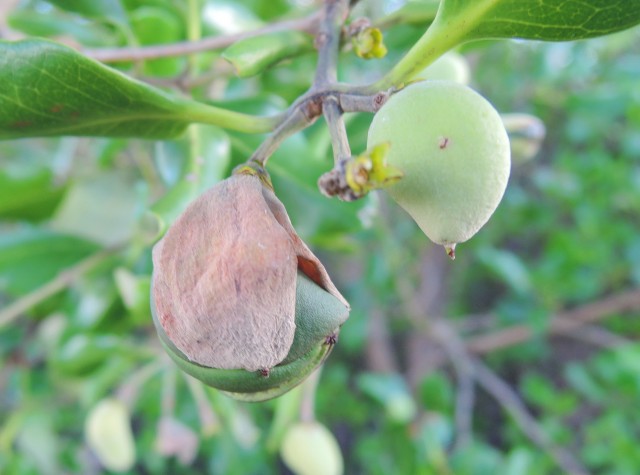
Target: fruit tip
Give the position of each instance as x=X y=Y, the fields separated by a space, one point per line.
x=450 y=249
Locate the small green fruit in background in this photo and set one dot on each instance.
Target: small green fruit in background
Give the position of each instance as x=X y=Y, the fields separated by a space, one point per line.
x=238 y=300
x=308 y=448
x=526 y=134
x=108 y=434
x=452 y=146
x=450 y=66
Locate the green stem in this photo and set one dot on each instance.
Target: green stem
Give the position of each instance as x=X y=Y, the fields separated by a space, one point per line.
x=439 y=38
x=197 y=112
x=308 y=402
x=194 y=30
x=294 y=122
x=286 y=413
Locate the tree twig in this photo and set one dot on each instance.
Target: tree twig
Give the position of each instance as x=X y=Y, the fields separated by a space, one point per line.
x=380 y=357
x=304 y=111
x=598 y=336
x=337 y=129
x=111 y=55
x=463 y=367
x=564 y=323
x=63 y=280
x=511 y=403
x=296 y=119
x=328 y=42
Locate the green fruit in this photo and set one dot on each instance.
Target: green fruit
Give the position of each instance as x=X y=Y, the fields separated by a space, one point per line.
x=318 y=316
x=308 y=448
x=452 y=146
x=450 y=66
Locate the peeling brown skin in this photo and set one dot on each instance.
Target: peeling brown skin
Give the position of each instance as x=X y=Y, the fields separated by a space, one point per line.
x=224 y=281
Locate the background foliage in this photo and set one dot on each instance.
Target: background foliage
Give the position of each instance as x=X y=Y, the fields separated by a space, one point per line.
x=565 y=237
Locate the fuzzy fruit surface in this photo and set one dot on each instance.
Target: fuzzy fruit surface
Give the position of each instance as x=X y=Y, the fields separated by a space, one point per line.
x=452 y=146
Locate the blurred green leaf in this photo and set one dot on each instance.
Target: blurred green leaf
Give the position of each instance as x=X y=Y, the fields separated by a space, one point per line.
x=210 y=151
x=101 y=208
x=580 y=379
x=252 y=56
x=32 y=195
x=35 y=22
x=437 y=393
x=93 y=9
x=134 y=291
x=82 y=353
x=30 y=257
x=392 y=392
x=508 y=267
x=153 y=25
x=39 y=444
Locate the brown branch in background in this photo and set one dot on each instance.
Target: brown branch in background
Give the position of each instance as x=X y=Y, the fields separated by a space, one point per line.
x=110 y=55
x=381 y=356
x=465 y=391
x=598 y=336
x=511 y=403
x=564 y=323
x=422 y=306
x=468 y=370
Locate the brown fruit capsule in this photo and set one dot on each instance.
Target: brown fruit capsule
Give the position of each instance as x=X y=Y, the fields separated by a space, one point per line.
x=226 y=280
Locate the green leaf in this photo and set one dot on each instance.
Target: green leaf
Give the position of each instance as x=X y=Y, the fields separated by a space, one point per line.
x=461 y=21
x=48 y=89
x=154 y=25
x=100 y=208
x=213 y=155
x=35 y=22
x=31 y=257
x=392 y=392
x=100 y=9
x=33 y=195
x=509 y=268
x=251 y=56
x=549 y=20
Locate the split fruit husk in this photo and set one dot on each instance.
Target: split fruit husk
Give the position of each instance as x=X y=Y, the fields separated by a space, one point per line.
x=238 y=300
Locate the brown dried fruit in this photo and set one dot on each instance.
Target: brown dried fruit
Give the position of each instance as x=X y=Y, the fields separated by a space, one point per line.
x=224 y=285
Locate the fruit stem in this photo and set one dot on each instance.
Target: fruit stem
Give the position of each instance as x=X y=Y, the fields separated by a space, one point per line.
x=193 y=111
x=337 y=129
x=294 y=122
x=439 y=38
x=307 y=405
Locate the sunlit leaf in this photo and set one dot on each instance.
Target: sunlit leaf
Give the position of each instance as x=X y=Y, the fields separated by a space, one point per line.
x=538 y=19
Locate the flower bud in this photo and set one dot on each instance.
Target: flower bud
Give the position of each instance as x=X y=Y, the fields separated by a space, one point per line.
x=239 y=301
